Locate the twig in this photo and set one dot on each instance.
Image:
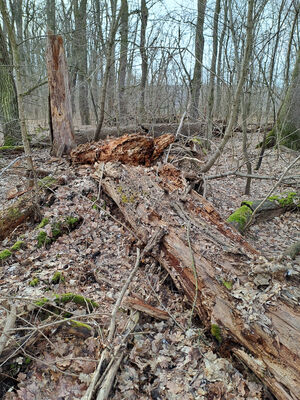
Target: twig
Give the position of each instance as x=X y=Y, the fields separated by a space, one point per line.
x=10 y=164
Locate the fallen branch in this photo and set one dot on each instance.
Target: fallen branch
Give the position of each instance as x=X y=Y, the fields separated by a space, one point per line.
x=9 y=325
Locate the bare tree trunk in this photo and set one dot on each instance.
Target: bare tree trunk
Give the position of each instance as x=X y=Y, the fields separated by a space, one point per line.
x=245 y=114
x=51 y=15
x=143 y=51
x=60 y=100
x=238 y=92
x=9 y=113
x=219 y=61
x=212 y=73
x=199 y=46
x=109 y=58
x=123 y=60
x=19 y=87
x=80 y=49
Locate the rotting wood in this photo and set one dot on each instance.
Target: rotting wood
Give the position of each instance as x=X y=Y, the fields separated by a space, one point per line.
x=227 y=297
x=22 y=210
x=140 y=305
x=128 y=149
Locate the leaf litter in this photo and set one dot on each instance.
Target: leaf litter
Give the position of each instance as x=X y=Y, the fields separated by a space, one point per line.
x=172 y=359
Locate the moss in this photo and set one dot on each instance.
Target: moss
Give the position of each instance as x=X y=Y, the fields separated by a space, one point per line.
x=44 y=222
x=72 y=221
x=57 y=278
x=17 y=245
x=77 y=299
x=14 y=212
x=240 y=217
x=287 y=199
x=47 y=181
x=11 y=148
x=4 y=254
x=34 y=282
x=125 y=199
x=227 y=284
x=42 y=302
x=27 y=361
x=67 y=298
x=215 y=330
x=80 y=325
x=56 y=230
x=43 y=239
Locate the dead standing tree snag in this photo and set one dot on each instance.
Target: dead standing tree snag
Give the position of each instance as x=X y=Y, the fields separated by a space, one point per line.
x=60 y=111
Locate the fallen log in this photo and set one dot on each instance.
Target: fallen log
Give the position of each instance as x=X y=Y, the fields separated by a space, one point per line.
x=128 y=149
x=244 y=301
x=272 y=207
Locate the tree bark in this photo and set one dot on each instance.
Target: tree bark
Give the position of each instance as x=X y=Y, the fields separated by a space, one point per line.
x=9 y=113
x=238 y=91
x=218 y=271
x=109 y=60
x=60 y=101
x=123 y=60
x=143 y=51
x=287 y=128
x=199 y=47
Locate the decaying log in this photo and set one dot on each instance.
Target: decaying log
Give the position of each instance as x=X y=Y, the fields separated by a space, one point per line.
x=218 y=272
x=128 y=149
x=274 y=206
x=23 y=209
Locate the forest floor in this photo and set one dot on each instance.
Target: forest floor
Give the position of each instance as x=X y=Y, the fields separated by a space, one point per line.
x=169 y=359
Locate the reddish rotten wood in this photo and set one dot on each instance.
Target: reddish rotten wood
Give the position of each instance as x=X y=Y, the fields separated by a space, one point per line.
x=128 y=149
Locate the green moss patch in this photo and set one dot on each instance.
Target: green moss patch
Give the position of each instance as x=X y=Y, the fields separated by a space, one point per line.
x=17 y=246
x=48 y=182
x=57 y=278
x=34 y=282
x=240 y=218
x=215 y=330
x=42 y=239
x=4 y=254
x=43 y=223
x=286 y=199
x=58 y=228
x=227 y=284
x=61 y=299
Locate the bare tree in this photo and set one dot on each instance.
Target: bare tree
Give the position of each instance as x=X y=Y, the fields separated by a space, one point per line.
x=123 y=59
x=199 y=47
x=143 y=51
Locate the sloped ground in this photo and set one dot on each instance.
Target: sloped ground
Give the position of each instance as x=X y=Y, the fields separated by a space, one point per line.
x=173 y=359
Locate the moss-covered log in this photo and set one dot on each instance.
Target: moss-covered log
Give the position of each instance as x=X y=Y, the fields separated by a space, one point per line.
x=273 y=206
x=22 y=210
x=217 y=270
